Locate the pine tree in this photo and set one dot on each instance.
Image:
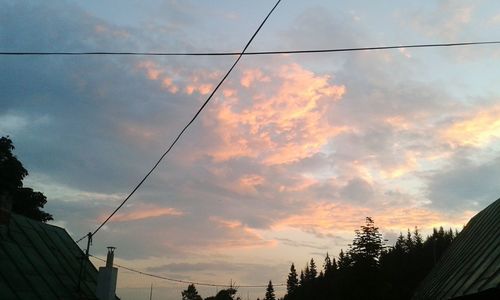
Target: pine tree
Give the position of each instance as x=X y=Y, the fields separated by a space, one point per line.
x=292 y=282
x=313 y=272
x=191 y=293
x=344 y=260
x=270 y=292
x=417 y=238
x=327 y=266
x=302 y=278
x=307 y=274
x=334 y=265
x=367 y=245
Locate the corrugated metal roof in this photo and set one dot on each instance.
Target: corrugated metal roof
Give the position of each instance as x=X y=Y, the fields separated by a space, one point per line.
x=471 y=265
x=41 y=261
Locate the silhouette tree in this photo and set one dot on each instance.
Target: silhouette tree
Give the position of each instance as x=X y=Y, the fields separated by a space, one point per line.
x=313 y=272
x=292 y=282
x=25 y=201
x=191 y=293
x=227 y=294
x=327 y=265
x=270 y=292
x=367 y=244
x=344 y=260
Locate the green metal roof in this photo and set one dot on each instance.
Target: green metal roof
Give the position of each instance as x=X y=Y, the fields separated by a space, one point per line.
x=41 y=261
x=471 y=265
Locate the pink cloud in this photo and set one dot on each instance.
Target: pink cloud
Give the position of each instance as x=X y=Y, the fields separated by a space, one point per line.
x=251 y=76
x=285 y=121
x=476 y=129
x=326 y=218
x=140 y=212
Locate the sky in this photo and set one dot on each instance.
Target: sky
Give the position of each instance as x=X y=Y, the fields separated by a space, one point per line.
x=291 y=154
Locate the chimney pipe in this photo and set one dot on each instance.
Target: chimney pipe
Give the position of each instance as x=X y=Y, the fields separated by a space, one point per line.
x=106 y=279
x=110 y=257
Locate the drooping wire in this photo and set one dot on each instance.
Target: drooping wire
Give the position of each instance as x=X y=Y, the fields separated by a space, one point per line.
x=183 y=281
x=305 y=51
x=188 y=124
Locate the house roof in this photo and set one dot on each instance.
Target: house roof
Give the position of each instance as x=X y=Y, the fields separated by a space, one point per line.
x=471 y=265
x=41 y=261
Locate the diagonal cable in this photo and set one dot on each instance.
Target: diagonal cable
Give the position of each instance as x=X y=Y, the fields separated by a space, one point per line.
x=187 y=125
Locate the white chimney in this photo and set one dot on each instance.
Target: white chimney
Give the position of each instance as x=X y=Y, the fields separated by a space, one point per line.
x=106 y=280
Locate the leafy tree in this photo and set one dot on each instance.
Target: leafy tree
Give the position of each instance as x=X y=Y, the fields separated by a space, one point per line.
x=12 y=171
x=292 y=282
x=227 y=294
x=191 y=293
x=302 y=278
x=25 y=201
x=270 y=292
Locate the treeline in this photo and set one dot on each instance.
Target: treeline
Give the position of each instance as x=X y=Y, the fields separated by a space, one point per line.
x=369 y=269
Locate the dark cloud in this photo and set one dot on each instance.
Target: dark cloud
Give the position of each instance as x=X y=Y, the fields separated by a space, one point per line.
x=465 y=185
x=357 y=190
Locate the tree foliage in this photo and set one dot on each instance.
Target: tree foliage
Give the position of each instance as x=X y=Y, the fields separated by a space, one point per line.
x=293 y=281
x=190 y=293
x=270 y=292
x=25 y=201
x=370 y=270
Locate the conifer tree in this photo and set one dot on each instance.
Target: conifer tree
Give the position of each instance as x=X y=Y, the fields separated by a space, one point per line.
x=292 y=282
x=367 y=245
x=327 y=266
x=302 y=278
x=417 y=238
x=191 y=293
x=270 y=292
x=307 y=274
x=344 y=260
x=313 y=272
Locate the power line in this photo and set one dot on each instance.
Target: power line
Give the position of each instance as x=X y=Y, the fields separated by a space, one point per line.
x=372 y=48
x=183 y=281
x=188 y=124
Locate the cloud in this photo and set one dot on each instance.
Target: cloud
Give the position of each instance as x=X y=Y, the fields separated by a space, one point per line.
x=145 y=212
x=476 y=129
x=464 y=185
x=330 y=219
x=448 y=19
x=281 y=124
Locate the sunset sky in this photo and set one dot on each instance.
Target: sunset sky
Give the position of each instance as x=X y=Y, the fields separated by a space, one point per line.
x=291 y=155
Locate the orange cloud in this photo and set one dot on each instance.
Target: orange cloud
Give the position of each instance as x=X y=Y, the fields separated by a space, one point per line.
x=282 y=124
x=252 y=75
x=146 y=212
x=238 y=235
x=476 y=130
x=152 y=70
x=330 y=218
x=410 y=164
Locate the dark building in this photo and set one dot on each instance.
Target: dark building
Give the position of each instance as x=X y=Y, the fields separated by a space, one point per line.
x=41 y=261
x=470 y=268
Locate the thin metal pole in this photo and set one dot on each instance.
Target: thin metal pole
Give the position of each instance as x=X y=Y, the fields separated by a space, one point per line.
x=81 y=276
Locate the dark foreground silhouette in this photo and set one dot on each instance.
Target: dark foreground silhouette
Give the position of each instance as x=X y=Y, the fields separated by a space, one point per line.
x=369 y=269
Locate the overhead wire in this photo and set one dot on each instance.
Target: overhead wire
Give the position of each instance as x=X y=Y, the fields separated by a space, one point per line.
x=183 y=281
x=304 y=51
x=187 y=125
